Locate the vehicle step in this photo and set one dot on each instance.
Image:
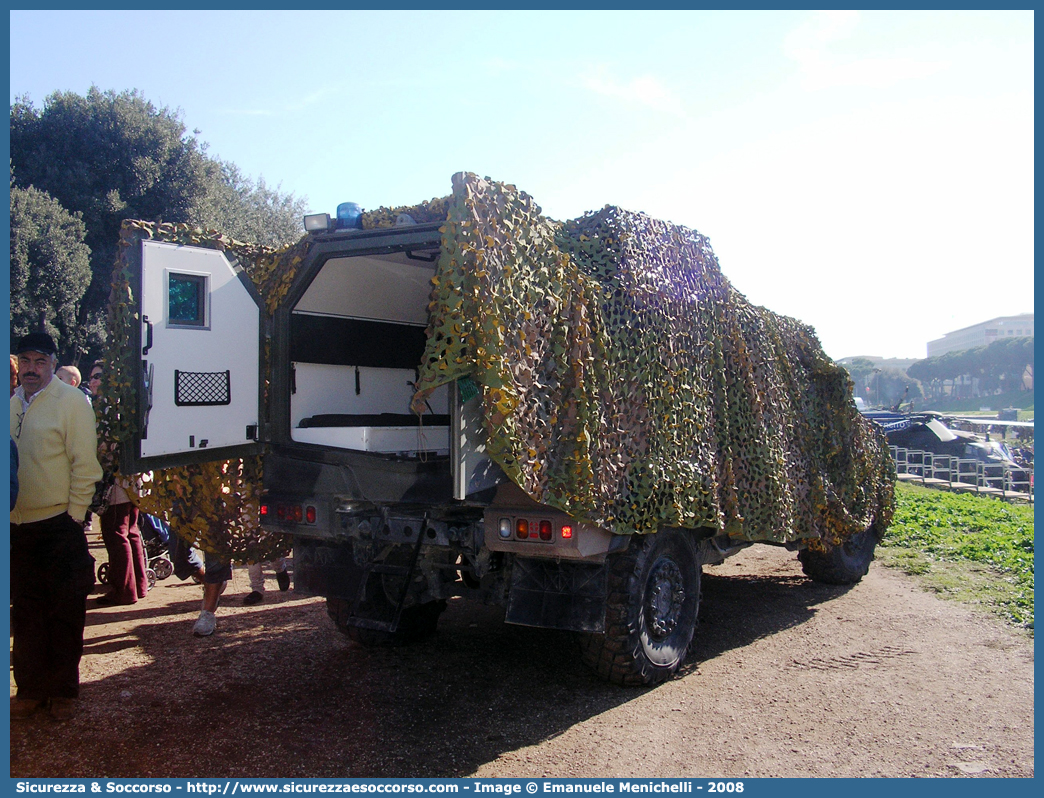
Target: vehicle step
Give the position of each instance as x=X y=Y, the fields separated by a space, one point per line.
x=394 y=570
x=371 y=623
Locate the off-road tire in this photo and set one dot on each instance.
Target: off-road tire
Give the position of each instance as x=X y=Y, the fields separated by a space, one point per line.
x=416 y=623
x=652 y=604
x=841 y=565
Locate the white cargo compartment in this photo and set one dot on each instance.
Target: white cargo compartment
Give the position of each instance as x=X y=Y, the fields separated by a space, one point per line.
x=357 y=338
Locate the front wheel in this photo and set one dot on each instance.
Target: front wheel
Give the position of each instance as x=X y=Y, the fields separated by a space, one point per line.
x=841 y=565
x=651 y=610
x=162 y=566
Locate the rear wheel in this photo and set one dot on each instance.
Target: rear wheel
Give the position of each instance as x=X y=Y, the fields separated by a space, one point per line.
x=651 y=611
x=841 y=565
x=415 y=623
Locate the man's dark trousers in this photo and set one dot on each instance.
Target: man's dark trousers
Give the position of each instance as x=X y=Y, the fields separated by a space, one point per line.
x=51 y=574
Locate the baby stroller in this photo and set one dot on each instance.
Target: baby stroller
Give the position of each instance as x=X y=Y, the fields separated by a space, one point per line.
x=154 y=536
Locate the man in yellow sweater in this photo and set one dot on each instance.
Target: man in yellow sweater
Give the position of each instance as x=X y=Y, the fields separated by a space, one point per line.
x=51 y=569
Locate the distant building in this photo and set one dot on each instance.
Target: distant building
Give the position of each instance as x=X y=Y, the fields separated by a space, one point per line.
x=982 y=334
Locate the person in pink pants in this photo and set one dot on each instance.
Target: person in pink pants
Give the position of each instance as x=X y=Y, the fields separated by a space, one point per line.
x=119 y=525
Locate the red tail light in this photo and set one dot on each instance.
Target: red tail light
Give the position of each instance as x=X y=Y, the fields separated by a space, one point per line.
x=567 y=532
x=264 y=510
x=545 y=530
x=292 y=512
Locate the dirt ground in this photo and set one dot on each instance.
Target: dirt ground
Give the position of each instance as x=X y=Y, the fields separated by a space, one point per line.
x=788 y=678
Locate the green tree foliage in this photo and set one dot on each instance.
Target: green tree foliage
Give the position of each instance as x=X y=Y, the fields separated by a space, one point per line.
x=890 y=386
x=112 y=156
x=1007 y=360
x=860 y=369
x=108 y=156
x=50 y=268
x=247 y=210
x=998 y=366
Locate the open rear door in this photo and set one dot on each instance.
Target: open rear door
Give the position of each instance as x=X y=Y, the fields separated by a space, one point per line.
x=200 y=343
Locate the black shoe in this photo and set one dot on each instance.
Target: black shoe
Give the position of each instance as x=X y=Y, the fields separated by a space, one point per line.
x=283 y=578
x=255 y=597
x=22 y=708
x=62 y=708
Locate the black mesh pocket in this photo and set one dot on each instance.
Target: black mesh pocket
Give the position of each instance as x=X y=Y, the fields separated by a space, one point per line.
x=199 y=388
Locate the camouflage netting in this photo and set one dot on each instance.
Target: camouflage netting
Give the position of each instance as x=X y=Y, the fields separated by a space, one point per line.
x=626 y=382
x=433 y=210
x=623 y=380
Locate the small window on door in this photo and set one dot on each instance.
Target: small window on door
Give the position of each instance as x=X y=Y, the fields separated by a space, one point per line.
x=187 y=300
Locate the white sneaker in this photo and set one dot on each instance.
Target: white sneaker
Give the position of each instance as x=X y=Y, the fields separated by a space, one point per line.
x=205 y=624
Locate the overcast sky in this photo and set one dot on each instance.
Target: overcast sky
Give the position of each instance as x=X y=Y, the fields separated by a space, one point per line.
x=870 y=173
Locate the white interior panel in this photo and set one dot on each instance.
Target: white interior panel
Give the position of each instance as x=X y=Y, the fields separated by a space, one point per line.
x=323 y=389
x=387 y=288
x=371 y=288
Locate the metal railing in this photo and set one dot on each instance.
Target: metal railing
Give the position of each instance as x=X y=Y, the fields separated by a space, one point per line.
x=944 y=466
x=968 y=472
x=994 y=478
x=899 y=456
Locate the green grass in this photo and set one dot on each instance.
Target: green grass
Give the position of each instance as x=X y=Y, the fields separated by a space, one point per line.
x=1020 y=399
x=974 y=549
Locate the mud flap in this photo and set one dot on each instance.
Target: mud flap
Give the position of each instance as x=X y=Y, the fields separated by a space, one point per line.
x=557 y=595
x=324 y=570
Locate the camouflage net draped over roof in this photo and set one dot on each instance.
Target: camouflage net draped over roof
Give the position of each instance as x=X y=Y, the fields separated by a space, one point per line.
x=626 y=382
x=623 y=380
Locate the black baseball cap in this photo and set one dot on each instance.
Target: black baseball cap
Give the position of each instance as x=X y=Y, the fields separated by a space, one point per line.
x=37 y=342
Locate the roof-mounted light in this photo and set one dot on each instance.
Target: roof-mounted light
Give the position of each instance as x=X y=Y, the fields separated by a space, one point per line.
x=349 y=215
x=317 y=221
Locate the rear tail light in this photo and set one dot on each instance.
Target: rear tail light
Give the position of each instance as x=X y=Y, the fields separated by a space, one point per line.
x=264 y=510
x=292 y=512
x=542 y=529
